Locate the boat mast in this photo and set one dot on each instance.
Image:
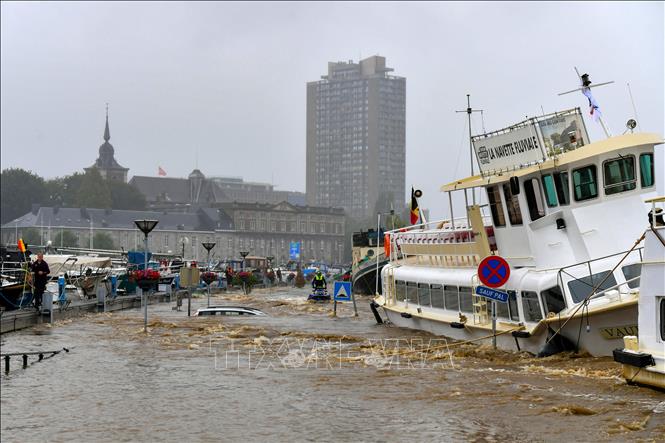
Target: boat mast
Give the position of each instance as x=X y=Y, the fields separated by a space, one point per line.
x=468 y=112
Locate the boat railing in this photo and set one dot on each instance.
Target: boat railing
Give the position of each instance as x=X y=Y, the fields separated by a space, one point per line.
x=583 y=271
x=458 y=242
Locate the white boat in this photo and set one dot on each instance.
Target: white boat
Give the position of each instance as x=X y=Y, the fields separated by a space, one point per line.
x=643 y=357
x=569 y=218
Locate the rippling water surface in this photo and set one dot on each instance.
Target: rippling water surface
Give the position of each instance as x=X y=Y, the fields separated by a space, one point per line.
x=300 y=374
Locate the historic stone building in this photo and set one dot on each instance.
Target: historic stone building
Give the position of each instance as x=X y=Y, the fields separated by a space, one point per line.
x=260 y=229
x=106 y=163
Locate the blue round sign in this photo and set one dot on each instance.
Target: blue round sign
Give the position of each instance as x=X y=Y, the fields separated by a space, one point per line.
x=493 y=271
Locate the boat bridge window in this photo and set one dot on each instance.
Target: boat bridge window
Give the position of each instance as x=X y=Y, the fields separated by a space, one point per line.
x=400 y=290
x=581 y=288
x=631 y=271
x=585 y=185
x=412 y=292
x=619 y=175
x=513 y=205
x=534 y=198
x=496 y=207
x=512 y=305
x=562 y=189
x=553 y=300
x=502 y=310
x=437 y=296
x=531 y=306
x=450 y=294
x=423 y=294
x=646 y=170
x=550 y=190
x=465 y=299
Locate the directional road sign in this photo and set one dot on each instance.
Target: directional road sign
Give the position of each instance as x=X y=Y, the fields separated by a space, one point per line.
x=493 y=271
x=492 y=294
x=294 y=250
x=342 y=291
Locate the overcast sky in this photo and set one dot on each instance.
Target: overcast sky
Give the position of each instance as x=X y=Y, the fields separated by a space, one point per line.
x=228 y=80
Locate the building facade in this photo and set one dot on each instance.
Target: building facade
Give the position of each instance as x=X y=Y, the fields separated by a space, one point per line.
x=356 y=146
x=260 y=229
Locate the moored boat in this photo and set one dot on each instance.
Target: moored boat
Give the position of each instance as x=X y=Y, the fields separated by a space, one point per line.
x=567 y=215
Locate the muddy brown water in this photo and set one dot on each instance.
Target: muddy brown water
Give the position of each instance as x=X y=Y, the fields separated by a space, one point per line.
x=299 y=374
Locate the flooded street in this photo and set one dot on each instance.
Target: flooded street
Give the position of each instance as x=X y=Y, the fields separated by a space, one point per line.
x=300 y=374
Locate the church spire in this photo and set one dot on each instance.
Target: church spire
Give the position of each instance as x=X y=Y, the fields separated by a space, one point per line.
x=107 y=133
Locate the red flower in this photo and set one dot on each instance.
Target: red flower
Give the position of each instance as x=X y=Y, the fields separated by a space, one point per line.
x=145 y=274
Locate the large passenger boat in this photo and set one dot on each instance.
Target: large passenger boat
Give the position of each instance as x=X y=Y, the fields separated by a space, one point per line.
x=569 y=217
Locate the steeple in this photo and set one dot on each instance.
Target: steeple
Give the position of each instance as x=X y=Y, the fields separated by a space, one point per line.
x=107 y=133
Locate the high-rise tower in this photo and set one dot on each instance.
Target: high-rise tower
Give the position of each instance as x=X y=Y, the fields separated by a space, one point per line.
x=356 y=138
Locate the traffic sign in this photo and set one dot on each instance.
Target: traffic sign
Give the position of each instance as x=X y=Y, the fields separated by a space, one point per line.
x=342 y=291
x=493 y=271
x=492 y=294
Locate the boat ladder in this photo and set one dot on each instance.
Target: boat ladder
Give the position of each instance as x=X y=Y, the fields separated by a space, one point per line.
x=480 y=304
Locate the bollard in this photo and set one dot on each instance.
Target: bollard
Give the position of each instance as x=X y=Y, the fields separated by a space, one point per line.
x=41 y=357
x=25 y=360
x=7 y=363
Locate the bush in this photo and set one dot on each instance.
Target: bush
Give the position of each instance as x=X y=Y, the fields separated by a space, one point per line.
x=246 y=280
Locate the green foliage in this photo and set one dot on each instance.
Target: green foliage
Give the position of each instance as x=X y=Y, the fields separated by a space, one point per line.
x=66 y=239
x=63 y=192
x=19 y=189
x=102 y=240
x=94 y=191
x=126 y=196
x=31 y=237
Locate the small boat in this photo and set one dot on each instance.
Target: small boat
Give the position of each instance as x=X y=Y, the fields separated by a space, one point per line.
x=319 y=294
x=643 y=356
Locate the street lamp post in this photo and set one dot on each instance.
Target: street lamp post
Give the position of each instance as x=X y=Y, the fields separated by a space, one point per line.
x=145 y=226
x=208 y=246
x=243 y=254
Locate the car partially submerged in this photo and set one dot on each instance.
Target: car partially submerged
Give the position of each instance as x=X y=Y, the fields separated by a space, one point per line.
x=228 y=310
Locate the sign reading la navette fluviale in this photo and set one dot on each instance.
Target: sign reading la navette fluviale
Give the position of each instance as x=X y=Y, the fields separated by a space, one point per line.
x=510 y=149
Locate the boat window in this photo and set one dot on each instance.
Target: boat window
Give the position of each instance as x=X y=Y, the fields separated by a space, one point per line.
x=553 y=300
x=646 y=170
x=437 y=296
x=207 y=313
x=502 y=310
x=400 y=290
x=630 y=272
x=584 y=183
x=581 y=288
x=531 y=306
x=496 y=207
x=550 y=191
x=513 y=206
x=562 y=189
x=662 y=319
x=619 y=175
x=465 y=301
x=534 y=198
x=450 y=293
x=512 y=305
x=412 y=292
x=423 y=294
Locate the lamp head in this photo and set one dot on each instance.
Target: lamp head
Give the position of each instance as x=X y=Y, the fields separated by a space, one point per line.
x=146 y=226
x=208 y=245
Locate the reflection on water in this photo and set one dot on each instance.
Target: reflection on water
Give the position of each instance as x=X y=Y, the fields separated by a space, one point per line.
x=300 y=374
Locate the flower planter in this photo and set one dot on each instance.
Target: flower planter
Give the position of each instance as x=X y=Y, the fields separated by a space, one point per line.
x=147 y=284
x=208 y=277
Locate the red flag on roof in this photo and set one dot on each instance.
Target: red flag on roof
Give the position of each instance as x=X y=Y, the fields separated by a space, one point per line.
x=160 y=171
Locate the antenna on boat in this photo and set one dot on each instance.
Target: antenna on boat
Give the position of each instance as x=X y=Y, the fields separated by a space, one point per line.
x=585 y=88
x=468 y=111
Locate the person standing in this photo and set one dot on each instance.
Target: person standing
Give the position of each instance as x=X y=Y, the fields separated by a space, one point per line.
x=41 y=271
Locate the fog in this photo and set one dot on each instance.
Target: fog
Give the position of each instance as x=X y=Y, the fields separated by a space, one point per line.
x=222 y=85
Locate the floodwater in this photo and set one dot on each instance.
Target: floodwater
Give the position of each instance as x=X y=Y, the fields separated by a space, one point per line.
x=300 y=374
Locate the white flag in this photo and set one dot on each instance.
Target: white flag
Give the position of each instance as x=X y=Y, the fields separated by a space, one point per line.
x=594 y=110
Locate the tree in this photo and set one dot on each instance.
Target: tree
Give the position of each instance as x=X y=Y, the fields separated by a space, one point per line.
x=94 y=191
x=31 y=237
x=102 y=240
x=63 y=191
x=19 y=190
x=126 y=196
x=65 y=239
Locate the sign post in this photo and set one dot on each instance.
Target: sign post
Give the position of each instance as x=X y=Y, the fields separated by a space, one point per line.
x=189 y=278
x=342 y=292
x=493 y=272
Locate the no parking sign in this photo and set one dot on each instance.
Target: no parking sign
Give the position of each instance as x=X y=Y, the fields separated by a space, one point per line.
x=493 y=271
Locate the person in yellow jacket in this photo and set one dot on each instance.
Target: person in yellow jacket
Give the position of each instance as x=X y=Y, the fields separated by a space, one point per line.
x=319 y=281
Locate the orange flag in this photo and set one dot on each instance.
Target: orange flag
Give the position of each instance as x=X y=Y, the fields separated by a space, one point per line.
x=21 y=245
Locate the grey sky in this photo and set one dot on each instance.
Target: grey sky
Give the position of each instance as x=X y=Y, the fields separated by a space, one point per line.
x=228 y=79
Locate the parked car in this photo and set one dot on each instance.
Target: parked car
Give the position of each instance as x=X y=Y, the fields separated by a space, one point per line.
x=228 y=310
